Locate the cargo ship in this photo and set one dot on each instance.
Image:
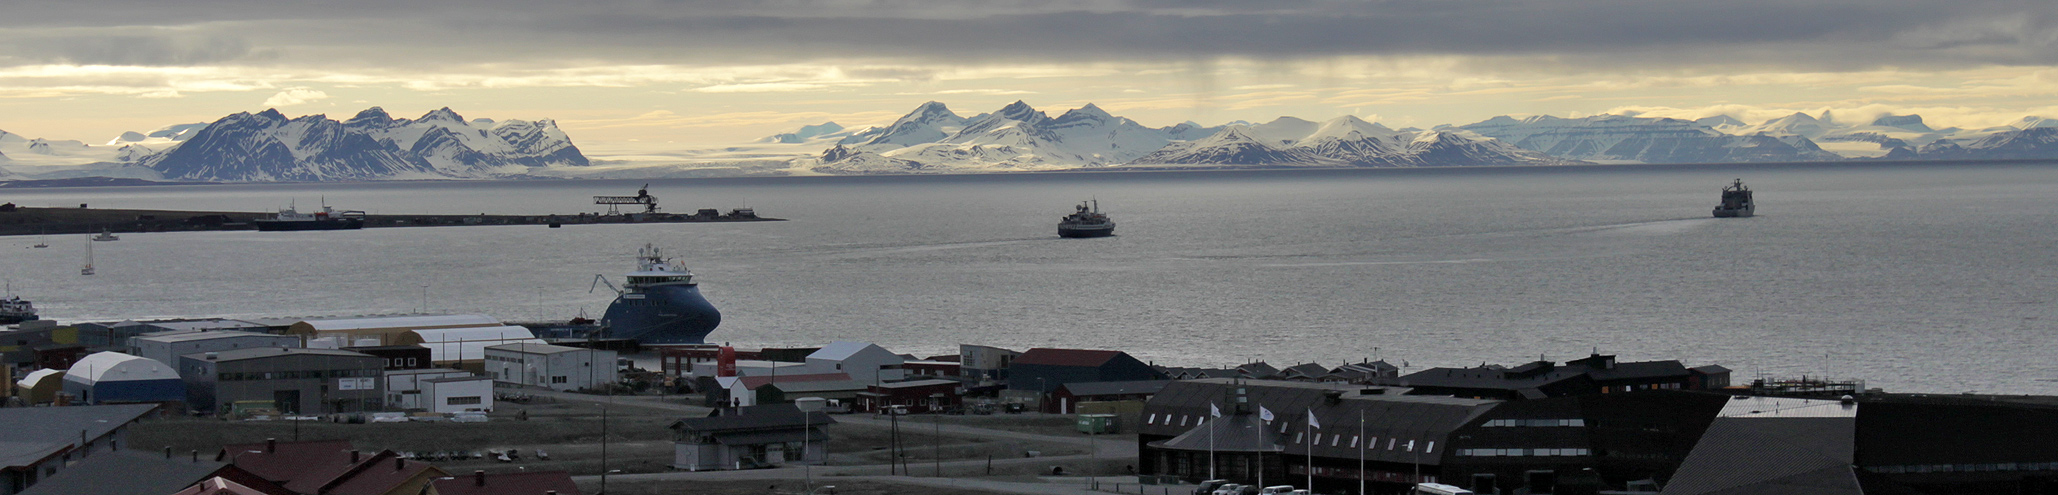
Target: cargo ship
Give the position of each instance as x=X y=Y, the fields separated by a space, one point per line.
x=659 y=304
x=1088 y=221
x=1736 y=201
x=290 y=219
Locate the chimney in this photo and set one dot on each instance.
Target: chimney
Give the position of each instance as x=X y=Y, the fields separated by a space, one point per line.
x=353 y=457
x=196 y=455
x=167 y=452
x=479 y=478
x=271 y=445
x=399 y=464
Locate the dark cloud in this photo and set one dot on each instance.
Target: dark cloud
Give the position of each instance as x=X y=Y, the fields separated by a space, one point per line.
x=134 y=50
x=1847 y=33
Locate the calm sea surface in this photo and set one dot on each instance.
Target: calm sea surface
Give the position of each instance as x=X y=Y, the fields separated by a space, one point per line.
x=1915 y=278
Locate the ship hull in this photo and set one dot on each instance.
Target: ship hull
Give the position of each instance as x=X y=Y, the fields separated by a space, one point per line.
x=280 y=226
x=1735 y=212
x=13 y=319
x=1076 y=232
x=664 y=314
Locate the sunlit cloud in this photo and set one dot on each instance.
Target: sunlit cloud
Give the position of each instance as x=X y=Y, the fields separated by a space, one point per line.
x=294 y=96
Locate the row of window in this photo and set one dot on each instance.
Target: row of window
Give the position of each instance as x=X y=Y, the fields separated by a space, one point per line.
x=1966 y=468
x=461 y=401
x=1533 y=423
x=1336 y=440
x=294 y=375
x=1523 y=452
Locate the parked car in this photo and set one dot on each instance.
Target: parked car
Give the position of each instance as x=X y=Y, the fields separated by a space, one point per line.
x=1277 y=490
x=1208 y=487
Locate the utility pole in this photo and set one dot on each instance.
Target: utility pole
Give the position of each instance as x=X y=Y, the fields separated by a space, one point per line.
x=603 y=450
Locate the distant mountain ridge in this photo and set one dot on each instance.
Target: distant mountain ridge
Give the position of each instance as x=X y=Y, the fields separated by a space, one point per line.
x=267 y=146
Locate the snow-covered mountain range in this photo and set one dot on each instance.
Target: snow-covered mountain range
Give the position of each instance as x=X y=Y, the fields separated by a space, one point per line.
x=267 y=146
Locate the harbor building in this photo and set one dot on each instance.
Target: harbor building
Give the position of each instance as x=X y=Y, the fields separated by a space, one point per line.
x=1067 y=398
x=295 y=381
x=864 y=362
x=465 y=348
x=457 y=394
x=916 y=396
x=400 y=357
x=40 y=386
x=1595 y=374
x=750 y=437
x=166 y=347
x=404 y=388
x=380 y=330
x=44 y=442
x=116 y=378
x=549 y=366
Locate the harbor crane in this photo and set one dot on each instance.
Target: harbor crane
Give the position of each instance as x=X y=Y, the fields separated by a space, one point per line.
x=642 y=197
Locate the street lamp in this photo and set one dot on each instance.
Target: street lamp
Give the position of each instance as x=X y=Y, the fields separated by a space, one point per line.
x=808 y=406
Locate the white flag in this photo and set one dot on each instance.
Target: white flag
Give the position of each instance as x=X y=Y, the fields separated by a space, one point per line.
x=1311 y=420
x=1264 y=414
x=1214 y=411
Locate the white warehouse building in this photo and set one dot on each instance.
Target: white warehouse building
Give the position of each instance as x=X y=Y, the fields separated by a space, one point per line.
x=551 y=366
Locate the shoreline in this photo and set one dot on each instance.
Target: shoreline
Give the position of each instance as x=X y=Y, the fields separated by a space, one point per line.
x=22 y=221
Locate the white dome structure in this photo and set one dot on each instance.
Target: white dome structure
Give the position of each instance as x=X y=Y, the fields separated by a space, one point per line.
x=113 y=377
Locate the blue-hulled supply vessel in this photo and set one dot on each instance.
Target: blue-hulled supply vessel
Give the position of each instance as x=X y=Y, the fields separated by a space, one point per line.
x=659 y=304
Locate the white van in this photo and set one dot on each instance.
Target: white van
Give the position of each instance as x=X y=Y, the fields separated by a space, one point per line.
x=1439 y=489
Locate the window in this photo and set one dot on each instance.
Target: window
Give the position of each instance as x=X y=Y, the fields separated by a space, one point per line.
x=460 y=401
x=1354 y=442
x=1335 y=440
x=557 y=379
x=1153 y=419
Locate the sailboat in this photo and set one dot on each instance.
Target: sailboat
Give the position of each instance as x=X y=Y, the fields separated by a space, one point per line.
x=88 y=269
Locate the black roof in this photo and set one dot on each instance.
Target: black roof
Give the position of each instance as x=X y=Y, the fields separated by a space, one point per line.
x=34 y=432
x=1232 y=433
x=127 y=472
x=1089 y=389
x=760 y=417
x=1770 y=456
x=1177 y=409
x=1538 y=374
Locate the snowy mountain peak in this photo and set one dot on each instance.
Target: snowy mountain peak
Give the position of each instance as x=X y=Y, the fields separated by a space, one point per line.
x=2032 y=122
x=1020 y=111
x=442 y=114
x=127 y=137
x=1909 y=122
x=271 y=114
x=373 y=115
x=1088 y=112
x=1347 y=126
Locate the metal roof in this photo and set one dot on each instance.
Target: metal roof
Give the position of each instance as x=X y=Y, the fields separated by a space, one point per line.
x=1066 y=357
x=127 y=472
x=35 y=432
x=919 y=383
x=819 y=386
x=191 y=336
x=1771 y=456
x=270 y=352
x=30 y=380
x=841 y=350
x=1089 y=389
x=1786 y=407
x=767 y=416
x=535 y=348
x=114 y=366
x=340 y=324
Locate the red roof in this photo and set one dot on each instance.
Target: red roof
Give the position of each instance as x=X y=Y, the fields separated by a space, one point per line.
x=219 y=486
x=753 y=382
x=1066 y=357
x=536 y=483
x=324 y=466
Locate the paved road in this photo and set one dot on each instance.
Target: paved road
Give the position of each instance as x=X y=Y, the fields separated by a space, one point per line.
x=1107 y=447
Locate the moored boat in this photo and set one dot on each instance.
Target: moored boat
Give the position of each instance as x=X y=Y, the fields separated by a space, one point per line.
x=1736 y=201
x=290 y=219
x=1087 y=221
x=14 y=309
x=659 y=303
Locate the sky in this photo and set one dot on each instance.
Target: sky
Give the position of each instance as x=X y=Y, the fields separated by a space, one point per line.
x=692 y=73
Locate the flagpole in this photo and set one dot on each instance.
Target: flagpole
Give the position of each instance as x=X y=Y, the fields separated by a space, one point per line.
x=1361 y=451
x=1211 y=447
x=1312 y=440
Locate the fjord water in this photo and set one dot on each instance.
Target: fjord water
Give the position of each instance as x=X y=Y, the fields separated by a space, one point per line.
x=1916 y=278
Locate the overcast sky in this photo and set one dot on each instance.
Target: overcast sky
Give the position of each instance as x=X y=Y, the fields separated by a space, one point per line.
x=715 y=72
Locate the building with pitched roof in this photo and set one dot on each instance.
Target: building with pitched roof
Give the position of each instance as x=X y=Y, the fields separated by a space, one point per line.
x=1043 y=370
x=1067 y=398
x=43 y=442
x=331 y=467
x=867 y=363
x=129 y=472
x=750 y=437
